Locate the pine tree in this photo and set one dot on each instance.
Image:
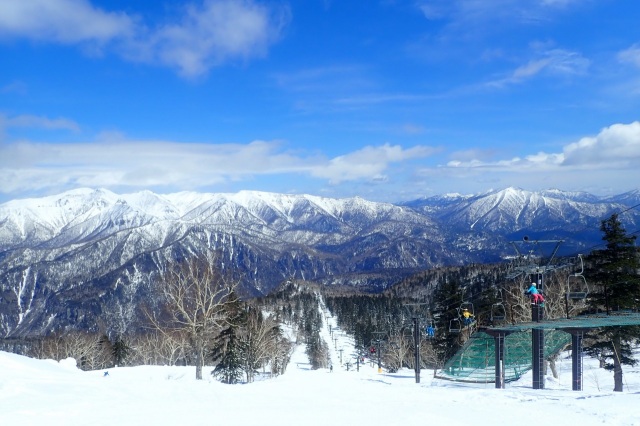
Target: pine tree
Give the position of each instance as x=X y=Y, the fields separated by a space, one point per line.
x=615 y=269
x=615 y=272
x=120 y=351
x=447 y=298
x=226 y=352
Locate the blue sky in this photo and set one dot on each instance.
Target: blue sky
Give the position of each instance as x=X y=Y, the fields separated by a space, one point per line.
x=389 y=100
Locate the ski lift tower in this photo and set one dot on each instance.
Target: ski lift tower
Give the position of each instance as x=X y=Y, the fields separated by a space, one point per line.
x=378 y=347
x=416 y=317
x=532 y=261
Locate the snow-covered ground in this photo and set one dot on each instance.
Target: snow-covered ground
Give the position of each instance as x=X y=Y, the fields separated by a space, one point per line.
x=46 y=392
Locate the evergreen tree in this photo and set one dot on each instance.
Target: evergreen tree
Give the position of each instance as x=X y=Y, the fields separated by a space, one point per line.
x=447 y=299
x=615 y=272
x=226 y=349
x=227 y=353
x=120 y=351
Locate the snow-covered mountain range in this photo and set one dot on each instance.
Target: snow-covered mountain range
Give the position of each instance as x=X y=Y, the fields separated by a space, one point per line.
x=86 y=258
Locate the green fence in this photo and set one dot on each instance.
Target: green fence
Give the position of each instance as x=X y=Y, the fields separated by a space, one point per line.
x=475 y=361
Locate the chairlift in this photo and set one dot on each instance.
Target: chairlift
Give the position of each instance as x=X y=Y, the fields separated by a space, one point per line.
x=498 y=312
x=466 y=321
x=430 y=329
x=455 y=325
x=577 y=287
x=467 y=306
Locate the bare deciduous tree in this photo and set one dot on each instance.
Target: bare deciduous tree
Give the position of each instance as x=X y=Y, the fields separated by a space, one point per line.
x=90 y=350
x=196 y=294
x=398 y=351
x=280 y=355
x=159 y=348
x=429 y=356
x=258 y=339
x=518 y=304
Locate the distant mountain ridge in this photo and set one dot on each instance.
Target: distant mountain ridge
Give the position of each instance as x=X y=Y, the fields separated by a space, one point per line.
x=70 y=258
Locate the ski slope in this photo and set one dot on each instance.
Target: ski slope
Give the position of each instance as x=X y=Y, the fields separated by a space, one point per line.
x=38 y=392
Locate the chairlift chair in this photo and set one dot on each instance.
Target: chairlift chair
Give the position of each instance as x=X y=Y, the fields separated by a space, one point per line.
x=577 y=287
x=498 y=312
x=455 y=325
x=468 y=306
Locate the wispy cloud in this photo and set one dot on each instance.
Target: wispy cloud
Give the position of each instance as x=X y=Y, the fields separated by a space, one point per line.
x=207 y=34
x=631 y=55
x=321 y=80
x=17 y=87
x=33 y=121
x=412 y=129
x=554 y=62
x=480 y=12
x=489 y=34
x=113 y=161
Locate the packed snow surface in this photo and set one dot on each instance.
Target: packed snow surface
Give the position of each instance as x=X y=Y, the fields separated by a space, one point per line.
x=47 y=392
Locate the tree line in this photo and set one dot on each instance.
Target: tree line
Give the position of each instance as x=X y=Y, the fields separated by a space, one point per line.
x=200 y=320
x=437 y=297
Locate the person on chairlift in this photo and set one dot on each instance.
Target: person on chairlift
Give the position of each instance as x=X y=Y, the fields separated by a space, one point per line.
x=536 y=297
x=430 y=331
x=468 y=316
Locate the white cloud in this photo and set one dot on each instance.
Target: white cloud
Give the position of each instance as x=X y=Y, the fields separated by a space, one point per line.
x=208 y=33
x=368 y=163
x=615 y=147
x=539 y=161
x=631 y=55
x=215 y=32
x=606 y=163
x=62 y=21
x=146 y=164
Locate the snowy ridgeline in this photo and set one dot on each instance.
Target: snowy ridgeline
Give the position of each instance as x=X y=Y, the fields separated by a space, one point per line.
x=35 y=392
x=85 y=242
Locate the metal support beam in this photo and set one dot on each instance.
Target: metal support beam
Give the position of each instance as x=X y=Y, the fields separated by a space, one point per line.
x=499 y=337
x=576 y=326
x=537 y=344
x=576 y=361
x=577 y=335
x=416 y=344
x=416 y=317
x=499 y=341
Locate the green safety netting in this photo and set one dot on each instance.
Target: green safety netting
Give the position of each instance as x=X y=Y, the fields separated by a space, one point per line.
x=475 y=361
